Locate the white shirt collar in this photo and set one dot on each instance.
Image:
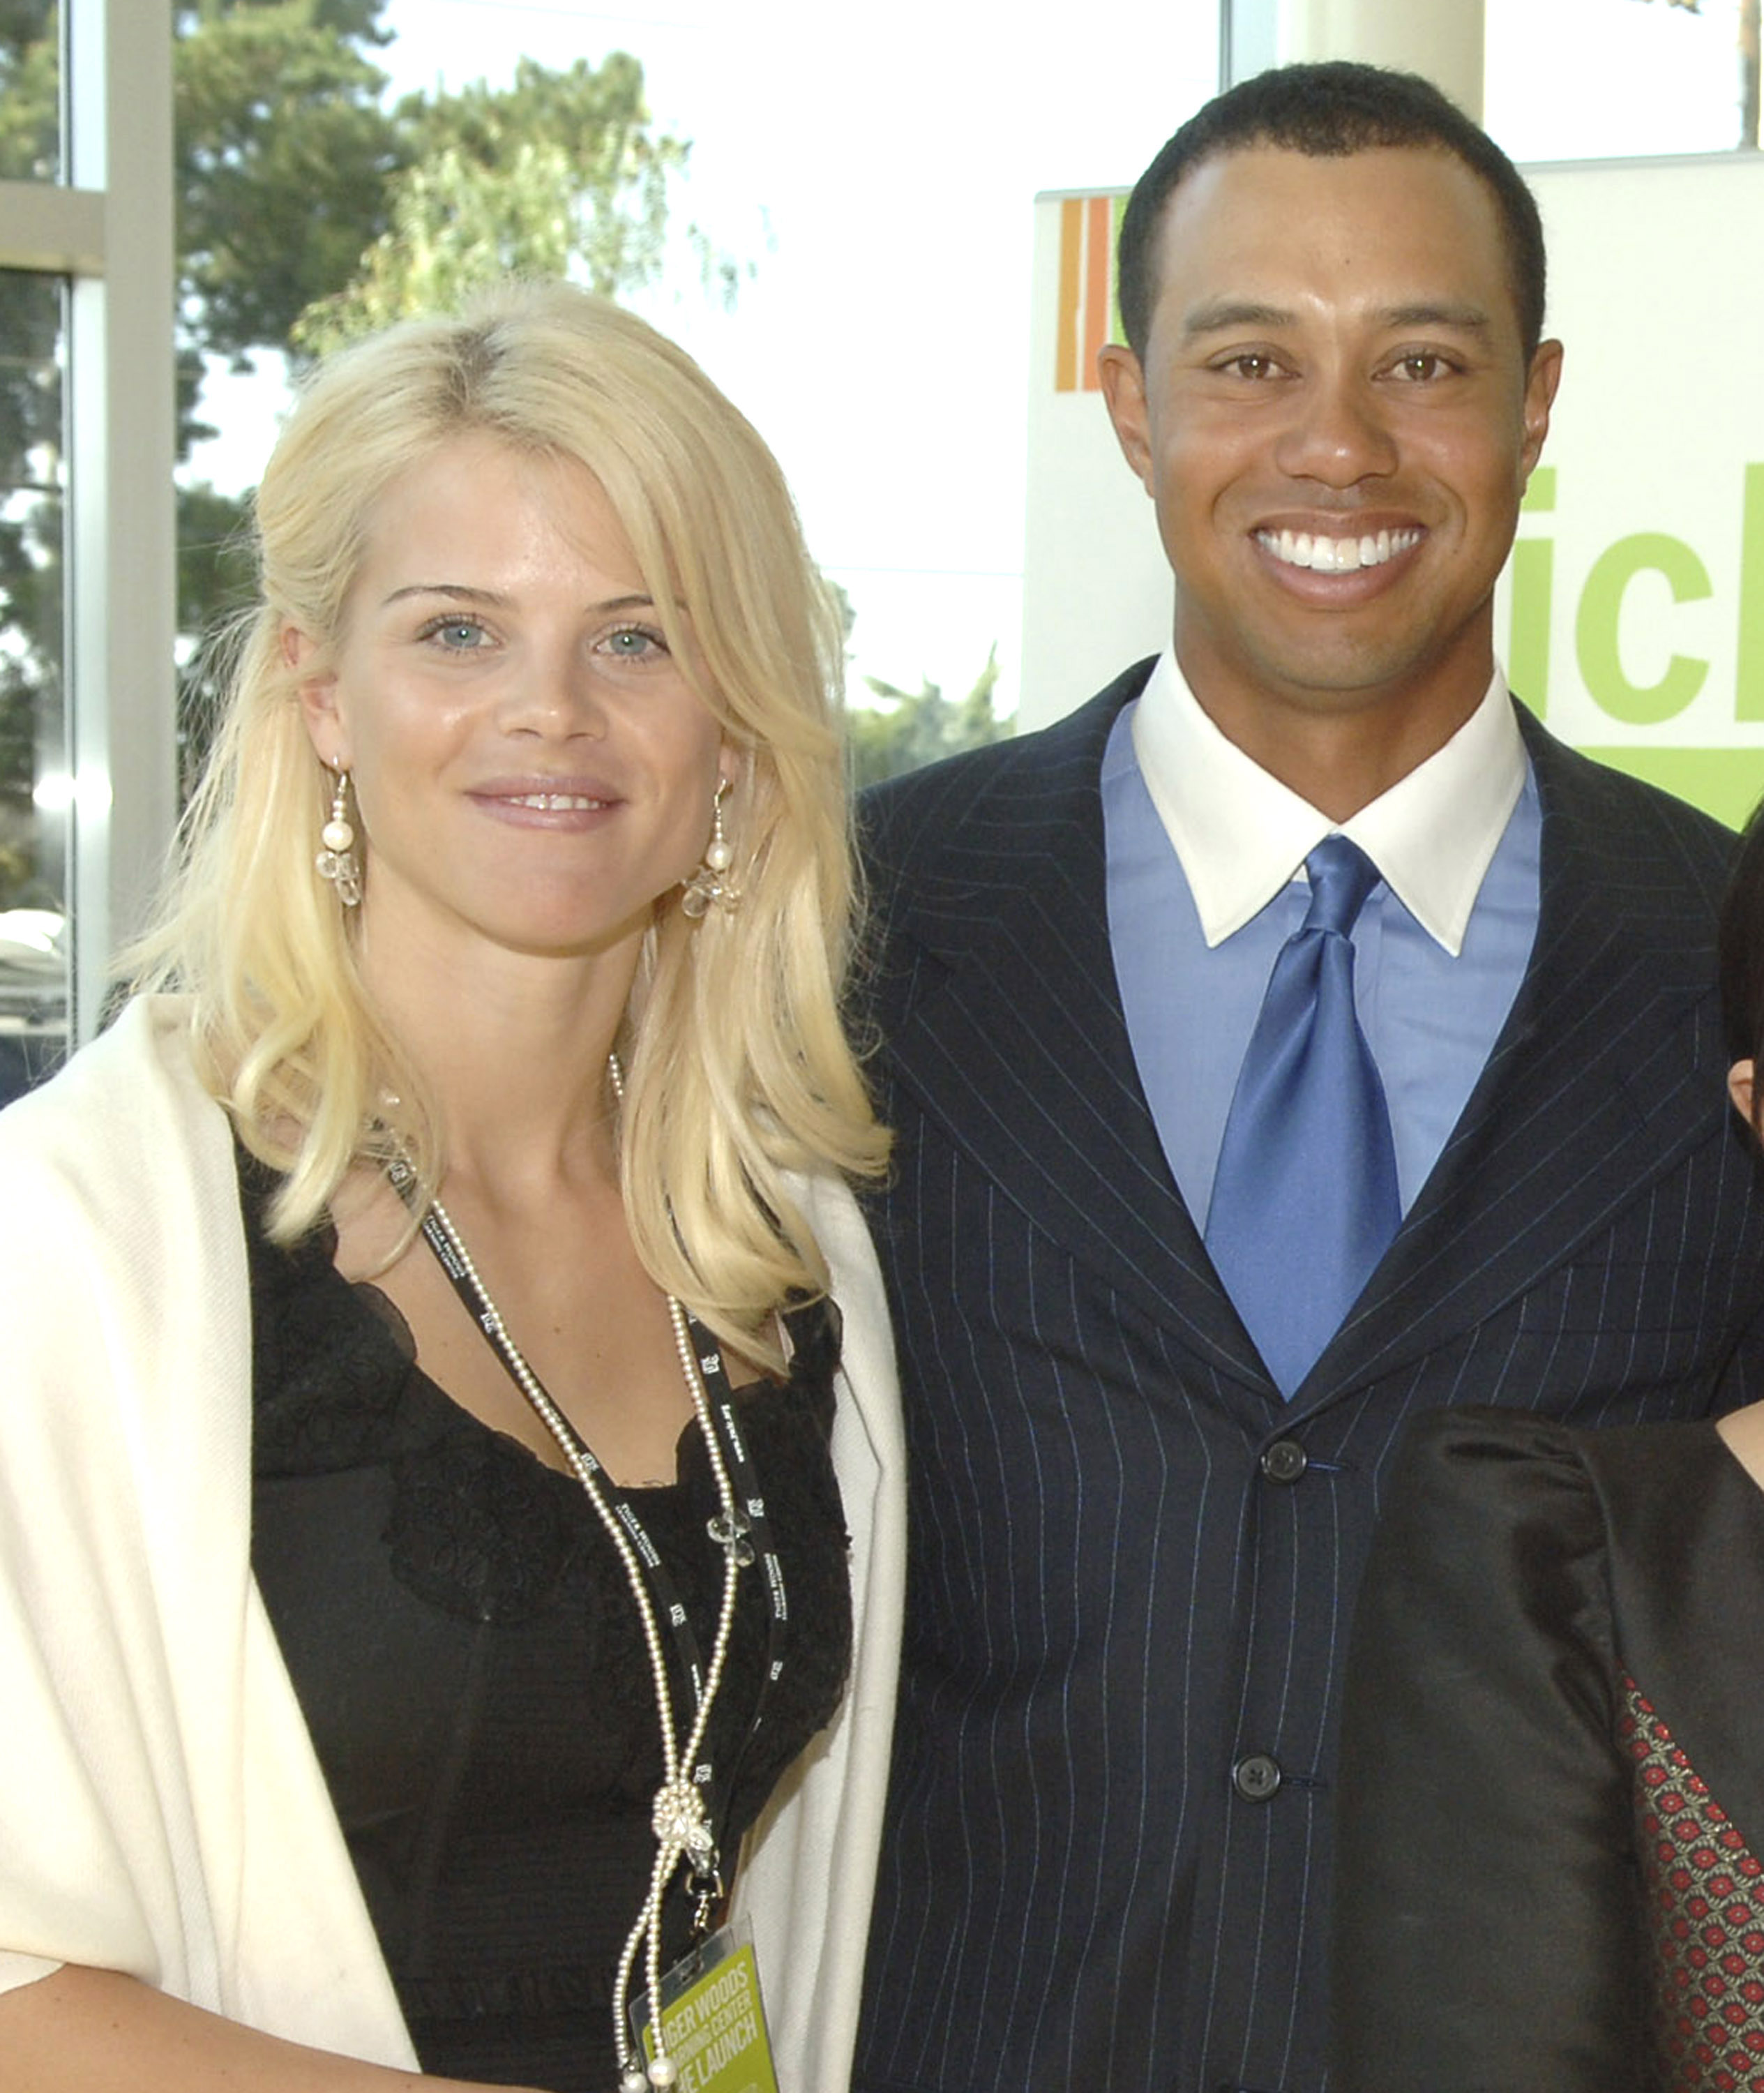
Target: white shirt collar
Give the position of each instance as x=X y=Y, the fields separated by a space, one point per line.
x=1242 y=835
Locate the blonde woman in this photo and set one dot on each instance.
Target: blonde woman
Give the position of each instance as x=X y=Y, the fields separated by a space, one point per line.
x=435 y=1310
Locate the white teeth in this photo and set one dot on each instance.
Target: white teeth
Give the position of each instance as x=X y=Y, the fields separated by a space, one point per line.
x=1337 y=555
x=553 y=803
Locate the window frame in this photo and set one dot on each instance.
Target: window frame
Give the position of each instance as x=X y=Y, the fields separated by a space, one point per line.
x=107 y=230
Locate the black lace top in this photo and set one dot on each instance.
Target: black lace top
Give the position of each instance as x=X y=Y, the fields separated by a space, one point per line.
x=469 y=1661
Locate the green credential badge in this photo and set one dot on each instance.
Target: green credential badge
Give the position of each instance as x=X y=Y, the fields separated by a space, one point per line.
x=715 y=2020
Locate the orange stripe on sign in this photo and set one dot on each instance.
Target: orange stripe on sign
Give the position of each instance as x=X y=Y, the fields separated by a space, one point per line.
x=1066 y=326
x=1097 y=286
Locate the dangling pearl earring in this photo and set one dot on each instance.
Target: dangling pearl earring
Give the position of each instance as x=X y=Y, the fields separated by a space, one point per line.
x=337 y=861
x=710 y=882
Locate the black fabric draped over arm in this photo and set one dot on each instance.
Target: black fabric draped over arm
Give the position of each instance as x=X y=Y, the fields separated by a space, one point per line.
x=1491 y=1934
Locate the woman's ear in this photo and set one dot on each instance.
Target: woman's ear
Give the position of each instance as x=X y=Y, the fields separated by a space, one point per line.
x=1740 y=1090
x=317 y=686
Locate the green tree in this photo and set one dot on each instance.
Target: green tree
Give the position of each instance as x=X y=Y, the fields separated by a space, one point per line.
x=558 y=175
x=910 y=728
x=285 y=160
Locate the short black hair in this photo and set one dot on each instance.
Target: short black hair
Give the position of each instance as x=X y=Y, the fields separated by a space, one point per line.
x=1741 y=945
x=1330 y=110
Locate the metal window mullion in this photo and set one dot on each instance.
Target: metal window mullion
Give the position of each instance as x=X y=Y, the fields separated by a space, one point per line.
x=1248 y=38
x=1442 y=38
x=51 y=230
x=122 y=565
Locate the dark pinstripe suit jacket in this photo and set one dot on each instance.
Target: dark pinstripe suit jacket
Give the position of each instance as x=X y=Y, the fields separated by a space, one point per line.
x=1107 y=1861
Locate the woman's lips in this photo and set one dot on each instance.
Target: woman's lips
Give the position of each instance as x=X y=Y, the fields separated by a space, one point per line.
x=556 y=802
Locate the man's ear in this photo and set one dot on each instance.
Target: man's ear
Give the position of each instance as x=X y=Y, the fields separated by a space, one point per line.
x=1740 y=1090
x=1123 y=389
x=317 y=686
x=1541 y=384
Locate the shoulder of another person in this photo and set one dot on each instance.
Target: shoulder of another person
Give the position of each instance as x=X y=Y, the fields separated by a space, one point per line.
x=1459 y=1465
x=1480 y=1431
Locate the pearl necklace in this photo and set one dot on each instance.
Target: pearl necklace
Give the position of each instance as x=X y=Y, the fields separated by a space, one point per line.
x=678 y=1820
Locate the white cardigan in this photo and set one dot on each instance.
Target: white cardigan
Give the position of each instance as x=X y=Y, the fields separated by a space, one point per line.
x=161 y=1810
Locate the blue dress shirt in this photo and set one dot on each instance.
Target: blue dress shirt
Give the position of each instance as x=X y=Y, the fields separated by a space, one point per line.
x=1431 y=1016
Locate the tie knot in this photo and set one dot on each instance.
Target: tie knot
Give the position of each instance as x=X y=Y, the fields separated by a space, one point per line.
x=1341 y=876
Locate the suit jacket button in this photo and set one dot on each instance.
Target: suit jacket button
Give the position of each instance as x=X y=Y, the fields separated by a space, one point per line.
x=1256 y=1777
x=1285 y=1461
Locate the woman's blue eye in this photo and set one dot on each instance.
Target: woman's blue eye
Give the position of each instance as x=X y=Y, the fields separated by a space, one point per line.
x=634 y=643
x=455 y=635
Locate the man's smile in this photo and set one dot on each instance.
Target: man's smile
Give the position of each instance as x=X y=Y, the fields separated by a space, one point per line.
x=1325 y=555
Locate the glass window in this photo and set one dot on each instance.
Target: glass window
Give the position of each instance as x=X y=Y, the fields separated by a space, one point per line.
x=1606 y=79
x=34 y=768
x=30 y=91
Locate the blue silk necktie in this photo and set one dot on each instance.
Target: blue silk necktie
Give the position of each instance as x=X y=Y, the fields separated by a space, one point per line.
x=1304 y=1199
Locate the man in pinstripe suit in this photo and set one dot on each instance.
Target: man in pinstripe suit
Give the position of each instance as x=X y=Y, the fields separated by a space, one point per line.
x=1133 y=1551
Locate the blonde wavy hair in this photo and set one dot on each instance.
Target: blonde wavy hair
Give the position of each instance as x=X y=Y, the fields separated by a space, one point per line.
x=738 y=1070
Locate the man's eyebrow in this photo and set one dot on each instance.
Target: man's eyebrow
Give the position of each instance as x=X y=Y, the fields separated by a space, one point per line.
x=1466 y=320
x=1223 y=314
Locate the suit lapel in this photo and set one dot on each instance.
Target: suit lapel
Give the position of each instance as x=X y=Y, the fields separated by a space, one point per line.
x=1008 y=1028
x=1597 y=1084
